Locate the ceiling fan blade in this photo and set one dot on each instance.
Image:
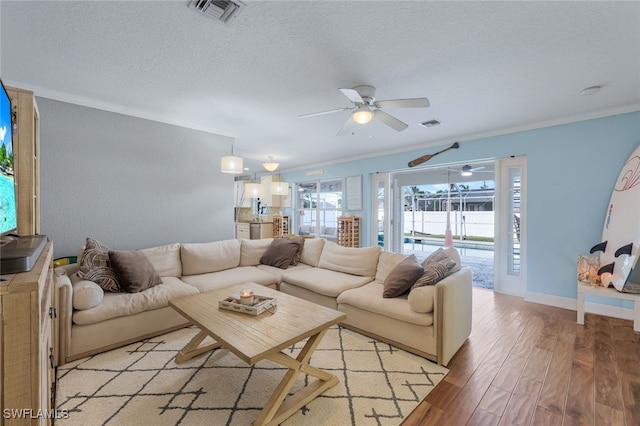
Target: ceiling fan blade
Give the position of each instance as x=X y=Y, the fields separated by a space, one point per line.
x=390 y=121
x=324 y=112
x=347 y=127
x=403 y=103
x=353 y=95
x=475 y=169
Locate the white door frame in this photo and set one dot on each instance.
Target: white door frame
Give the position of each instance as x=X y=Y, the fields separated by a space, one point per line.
x=381 y=180
x=509 y=249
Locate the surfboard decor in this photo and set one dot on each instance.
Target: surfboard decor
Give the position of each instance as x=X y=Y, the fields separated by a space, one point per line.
x=621 y=233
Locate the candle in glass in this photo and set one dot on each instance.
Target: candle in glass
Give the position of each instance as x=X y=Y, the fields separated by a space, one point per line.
x=246 y=296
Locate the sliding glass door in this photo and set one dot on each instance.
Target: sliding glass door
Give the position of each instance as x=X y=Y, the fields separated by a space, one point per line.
x=319 y=205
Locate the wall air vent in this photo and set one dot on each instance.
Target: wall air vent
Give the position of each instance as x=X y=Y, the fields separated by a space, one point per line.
x=221 y=10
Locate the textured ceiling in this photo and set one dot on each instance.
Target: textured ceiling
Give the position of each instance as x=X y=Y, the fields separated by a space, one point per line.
x=486 y=67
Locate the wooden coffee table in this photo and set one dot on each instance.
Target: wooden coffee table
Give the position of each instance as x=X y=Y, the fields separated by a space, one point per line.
x=254 y=338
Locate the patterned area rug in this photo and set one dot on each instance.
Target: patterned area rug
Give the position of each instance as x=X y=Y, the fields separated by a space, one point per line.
x=141 y=384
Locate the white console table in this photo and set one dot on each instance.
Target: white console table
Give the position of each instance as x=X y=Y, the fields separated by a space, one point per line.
x=612 y=293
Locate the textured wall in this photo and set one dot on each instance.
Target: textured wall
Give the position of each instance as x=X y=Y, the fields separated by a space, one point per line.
x=129 y=182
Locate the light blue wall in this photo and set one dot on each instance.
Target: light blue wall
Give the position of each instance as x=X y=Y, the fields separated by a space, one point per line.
x=571 y=170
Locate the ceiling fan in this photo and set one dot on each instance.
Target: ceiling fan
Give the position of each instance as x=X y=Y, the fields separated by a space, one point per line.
x=365 y=108
x=467 y=170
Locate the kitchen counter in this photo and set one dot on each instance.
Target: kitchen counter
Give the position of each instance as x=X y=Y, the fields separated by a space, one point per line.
x=254 y=230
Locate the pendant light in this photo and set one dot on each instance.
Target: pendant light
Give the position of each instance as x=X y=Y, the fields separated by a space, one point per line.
x=254 y=189
x=279 y=188
x=231 y=163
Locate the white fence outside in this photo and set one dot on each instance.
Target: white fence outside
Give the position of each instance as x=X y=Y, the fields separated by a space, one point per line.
x=466 y=224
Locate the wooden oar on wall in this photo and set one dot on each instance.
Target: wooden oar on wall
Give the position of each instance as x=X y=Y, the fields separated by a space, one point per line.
x=426 y=158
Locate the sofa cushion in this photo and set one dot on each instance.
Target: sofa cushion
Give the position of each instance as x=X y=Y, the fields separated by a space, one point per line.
x=228 y=277
x=86 y=294
x=165 y=259
x=278 y=273
x=281 y=253
x=95 y=266
x=357 y=261
x=200 y=258
x=324 y=281
x=421 y=299
x=386 y=262
x=134 y=270
x=120 y=304
x=369 y=298
x=252 y=250
x=402 y=277
x=311 y=251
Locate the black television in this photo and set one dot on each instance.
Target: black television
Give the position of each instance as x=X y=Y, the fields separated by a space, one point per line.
x=8 y=209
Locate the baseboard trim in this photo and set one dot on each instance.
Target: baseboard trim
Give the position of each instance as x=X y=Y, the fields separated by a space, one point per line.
x=572 y=304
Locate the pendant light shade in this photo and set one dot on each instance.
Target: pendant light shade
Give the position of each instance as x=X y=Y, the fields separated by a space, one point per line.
x=254 y=190
x=279 y=188
x=231 y=164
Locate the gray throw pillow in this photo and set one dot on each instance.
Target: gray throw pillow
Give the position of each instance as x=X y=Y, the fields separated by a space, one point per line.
x=280 y=253
x=402 y=277
x=135 y=271
x=95 y=266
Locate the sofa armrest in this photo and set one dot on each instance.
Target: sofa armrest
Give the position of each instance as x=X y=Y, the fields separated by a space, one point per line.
x=452 y=313
x=64 y=298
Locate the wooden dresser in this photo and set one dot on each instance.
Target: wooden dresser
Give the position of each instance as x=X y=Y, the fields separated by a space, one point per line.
x=27 y=339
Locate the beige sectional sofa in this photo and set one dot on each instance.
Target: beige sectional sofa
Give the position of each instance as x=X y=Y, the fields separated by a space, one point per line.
x=432 y=321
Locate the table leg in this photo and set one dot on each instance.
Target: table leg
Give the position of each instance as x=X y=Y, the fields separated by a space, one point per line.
x=191 y=349
x=277 y=409
x=580 y=306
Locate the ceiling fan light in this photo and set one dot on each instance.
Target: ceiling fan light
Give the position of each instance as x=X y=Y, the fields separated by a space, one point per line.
x=362 y=115
x=466 y=171
x=231 y=164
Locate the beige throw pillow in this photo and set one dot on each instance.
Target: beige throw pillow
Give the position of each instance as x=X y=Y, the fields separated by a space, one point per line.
x=402 y=277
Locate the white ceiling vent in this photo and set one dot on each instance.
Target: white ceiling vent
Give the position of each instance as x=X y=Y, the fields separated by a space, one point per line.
x=221 y=10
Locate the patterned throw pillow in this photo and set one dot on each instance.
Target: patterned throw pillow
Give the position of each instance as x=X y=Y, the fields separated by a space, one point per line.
x=95 y=266
x=436 y=267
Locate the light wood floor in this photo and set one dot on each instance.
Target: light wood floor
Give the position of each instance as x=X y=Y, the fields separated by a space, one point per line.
x=531 y=364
